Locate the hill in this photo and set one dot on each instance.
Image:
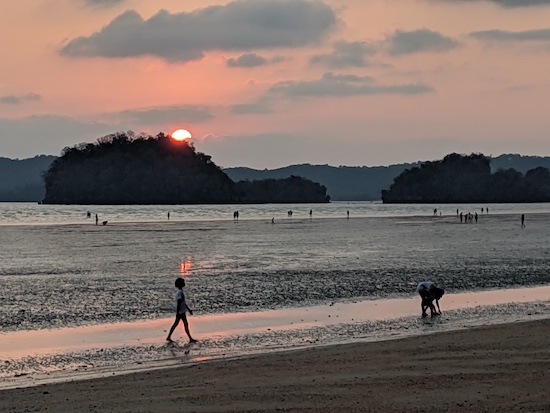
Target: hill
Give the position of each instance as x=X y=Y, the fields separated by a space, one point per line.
x=461 y=179
x=21 y=180
x=138 y=169
x=344 y=183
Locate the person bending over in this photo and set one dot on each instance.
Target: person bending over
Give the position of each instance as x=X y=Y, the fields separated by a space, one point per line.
x=429 y=292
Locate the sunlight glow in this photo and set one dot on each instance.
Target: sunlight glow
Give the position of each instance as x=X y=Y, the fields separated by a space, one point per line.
x=181 y=135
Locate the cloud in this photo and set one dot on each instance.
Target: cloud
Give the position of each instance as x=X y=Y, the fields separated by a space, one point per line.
x=344 y=85
x=261 y=106
x=540 y=35
x=345 y=54
x=103 y=3
x=417 y=41
x=47 y=134
x=247 y=60
x=507 y=3
x=161 y=116
x=17 y=100
x=242 y=25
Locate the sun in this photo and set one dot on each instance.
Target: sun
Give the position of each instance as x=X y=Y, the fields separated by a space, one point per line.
x=181 y=135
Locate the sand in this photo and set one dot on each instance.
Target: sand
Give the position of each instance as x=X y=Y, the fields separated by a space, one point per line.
x=502 y=368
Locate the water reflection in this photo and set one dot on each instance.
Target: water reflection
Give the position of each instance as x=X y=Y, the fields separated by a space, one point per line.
x=185 y=266
x=22 y=343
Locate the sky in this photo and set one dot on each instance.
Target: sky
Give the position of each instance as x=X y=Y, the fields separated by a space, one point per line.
x=271 y=83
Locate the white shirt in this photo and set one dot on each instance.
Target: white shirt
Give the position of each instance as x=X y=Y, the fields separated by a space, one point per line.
x=183 y=306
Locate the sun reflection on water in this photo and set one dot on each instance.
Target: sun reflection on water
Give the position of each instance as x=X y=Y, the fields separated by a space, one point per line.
x=185 y=266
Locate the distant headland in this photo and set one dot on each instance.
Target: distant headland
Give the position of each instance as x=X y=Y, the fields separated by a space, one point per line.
x=465 y=179
x=125 y=168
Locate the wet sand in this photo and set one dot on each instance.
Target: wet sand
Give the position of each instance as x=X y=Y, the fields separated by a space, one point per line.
x=30 y=358
x=501 y=368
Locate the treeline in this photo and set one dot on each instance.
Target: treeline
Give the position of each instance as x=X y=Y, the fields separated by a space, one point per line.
x=293 y=190
x=125 y=168
x=461 y=179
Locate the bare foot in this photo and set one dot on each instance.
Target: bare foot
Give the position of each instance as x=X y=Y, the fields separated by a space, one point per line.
x=192 y=340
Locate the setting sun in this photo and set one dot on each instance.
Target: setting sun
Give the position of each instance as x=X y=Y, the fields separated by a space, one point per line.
x=181 y=135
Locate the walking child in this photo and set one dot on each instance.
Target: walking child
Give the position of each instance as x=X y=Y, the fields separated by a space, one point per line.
x=181 y=309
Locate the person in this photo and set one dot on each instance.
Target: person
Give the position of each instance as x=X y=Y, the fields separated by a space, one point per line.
x=96 y=219
x=181 y=309
x=429 y=292
x=523 y=220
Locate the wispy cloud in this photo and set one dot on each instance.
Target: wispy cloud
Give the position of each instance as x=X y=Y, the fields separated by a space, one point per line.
x=504 y=3
x=540 y=35
x=345 y=54
x=244 y=25
x=161 y=115
x=19 y=99
x=103 y=3
x=418 y=41
x=344 y=85
x=247 y=60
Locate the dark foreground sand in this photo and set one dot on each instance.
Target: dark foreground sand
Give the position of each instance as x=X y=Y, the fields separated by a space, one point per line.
x=502 y=368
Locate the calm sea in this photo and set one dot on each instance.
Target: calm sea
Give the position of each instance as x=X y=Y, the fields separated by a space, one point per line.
x=32 y=213
x=57 y=268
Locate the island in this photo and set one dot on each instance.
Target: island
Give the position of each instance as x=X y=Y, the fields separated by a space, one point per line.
x=127 y=168
x=467 y=179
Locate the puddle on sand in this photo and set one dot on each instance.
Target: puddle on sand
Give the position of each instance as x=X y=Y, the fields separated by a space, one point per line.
x=141 y=344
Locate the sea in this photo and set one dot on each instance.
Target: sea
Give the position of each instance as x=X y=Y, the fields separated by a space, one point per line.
x=80 y=298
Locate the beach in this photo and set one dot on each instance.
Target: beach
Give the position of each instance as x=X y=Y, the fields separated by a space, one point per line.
x=499 y=368
x=305 y=314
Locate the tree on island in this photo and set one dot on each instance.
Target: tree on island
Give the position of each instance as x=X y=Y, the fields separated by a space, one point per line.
x=125 y=168
x=462 y=179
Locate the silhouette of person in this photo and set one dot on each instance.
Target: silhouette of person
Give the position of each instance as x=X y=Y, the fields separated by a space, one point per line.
x=523 y=220
x=426 y=290
x=273 y=220
x=347 y=212
x=96 y=219
x=88 y=214
x=475 y=216
x=168 y=215
x=461 y=217
x=310 y=212
x=181 y=309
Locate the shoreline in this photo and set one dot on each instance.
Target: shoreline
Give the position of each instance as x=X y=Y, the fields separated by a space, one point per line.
x=31 y=358
x=496 y=368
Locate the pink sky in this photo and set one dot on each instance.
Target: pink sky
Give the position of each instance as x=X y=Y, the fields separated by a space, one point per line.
x=269 y=83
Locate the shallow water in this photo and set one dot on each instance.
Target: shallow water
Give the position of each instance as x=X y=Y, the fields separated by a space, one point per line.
x=43 y=356
x=57 y=274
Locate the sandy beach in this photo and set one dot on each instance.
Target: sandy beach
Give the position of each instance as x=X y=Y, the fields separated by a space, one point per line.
x=502 y=368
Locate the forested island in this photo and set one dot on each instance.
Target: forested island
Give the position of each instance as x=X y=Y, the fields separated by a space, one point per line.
x=124 y=168
x=463 y=179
